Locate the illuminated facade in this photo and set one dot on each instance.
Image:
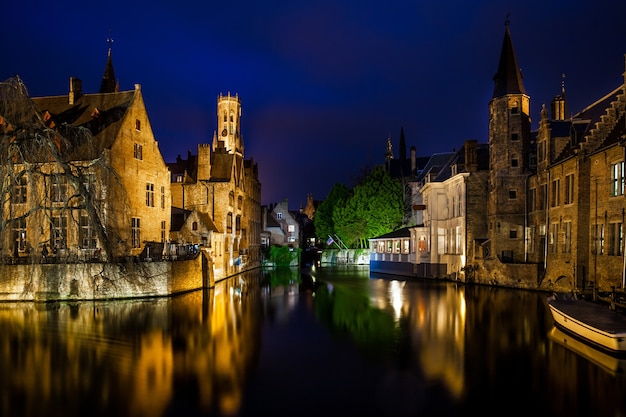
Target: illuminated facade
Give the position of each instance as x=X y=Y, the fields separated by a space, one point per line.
x=217 y=195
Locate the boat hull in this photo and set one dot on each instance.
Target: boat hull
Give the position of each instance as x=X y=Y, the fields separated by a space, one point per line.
x=591 y=322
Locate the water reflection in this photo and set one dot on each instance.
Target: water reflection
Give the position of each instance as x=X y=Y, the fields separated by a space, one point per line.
x=285 y=343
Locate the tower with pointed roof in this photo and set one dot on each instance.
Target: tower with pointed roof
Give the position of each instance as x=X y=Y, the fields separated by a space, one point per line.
x=509 y=143
x=109 y=83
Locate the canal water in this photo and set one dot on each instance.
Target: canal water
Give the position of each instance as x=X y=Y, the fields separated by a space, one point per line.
x=320 y=342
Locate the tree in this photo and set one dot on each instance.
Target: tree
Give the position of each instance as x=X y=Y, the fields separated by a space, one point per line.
x=375 y=207
x=323 y=220
x=52 y=176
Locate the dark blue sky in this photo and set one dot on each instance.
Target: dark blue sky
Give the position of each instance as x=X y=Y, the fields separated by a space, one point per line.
x=322 y=83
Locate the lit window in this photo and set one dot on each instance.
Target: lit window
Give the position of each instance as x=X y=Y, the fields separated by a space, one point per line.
x=136 y=232
x=617 y=175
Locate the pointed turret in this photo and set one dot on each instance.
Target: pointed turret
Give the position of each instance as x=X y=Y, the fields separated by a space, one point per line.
x=508 y=79
x=109 y=83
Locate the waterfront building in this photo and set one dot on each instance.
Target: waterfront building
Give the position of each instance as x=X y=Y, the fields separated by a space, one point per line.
x=549 y=212
x=85 y=174
x=217 y=192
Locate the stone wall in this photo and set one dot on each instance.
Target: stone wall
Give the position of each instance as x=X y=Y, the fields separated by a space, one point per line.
x=95 y=281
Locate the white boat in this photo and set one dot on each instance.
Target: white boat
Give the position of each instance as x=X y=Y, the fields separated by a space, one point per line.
x=590 y=321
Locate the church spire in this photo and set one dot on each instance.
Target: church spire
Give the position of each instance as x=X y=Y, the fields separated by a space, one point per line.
x=109 y=83
x=508 y=79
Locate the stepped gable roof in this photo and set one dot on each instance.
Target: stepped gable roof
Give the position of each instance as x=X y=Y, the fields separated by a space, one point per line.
x=508 y=78
x=596 y=110
x=580 y=125
x=101 y=114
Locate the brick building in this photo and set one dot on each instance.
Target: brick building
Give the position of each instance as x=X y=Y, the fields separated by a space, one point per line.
x=87 y=178
x=218 y=194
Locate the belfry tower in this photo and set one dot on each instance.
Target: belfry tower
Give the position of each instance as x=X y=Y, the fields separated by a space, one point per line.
x=509 y=142
x=228 y=124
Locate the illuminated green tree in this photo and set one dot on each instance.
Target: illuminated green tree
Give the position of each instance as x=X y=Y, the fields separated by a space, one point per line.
x=375 y=208
x=323 y=221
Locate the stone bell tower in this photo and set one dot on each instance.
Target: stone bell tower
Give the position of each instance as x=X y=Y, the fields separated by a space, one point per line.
x=228 y=132
x=509 y=143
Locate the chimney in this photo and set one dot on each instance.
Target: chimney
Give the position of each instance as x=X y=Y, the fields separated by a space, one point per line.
x=558 y=108
x=76 y=89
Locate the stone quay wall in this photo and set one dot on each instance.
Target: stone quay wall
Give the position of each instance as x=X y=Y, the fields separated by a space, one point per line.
x=101 y=281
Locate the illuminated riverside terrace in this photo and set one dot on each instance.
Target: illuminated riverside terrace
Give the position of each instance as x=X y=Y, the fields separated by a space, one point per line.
x=261 y=344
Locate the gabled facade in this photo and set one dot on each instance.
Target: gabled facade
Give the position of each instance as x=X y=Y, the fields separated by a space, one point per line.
x=282 y=225
x=219 y=183
x=90 y=180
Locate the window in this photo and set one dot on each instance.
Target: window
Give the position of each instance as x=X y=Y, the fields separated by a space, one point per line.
x=87 y=233
x=179 y=178
x=514 y=136
x=291 y=228
x=569 y=189
x=138 y=151
x=406 y=245
x=59 y=189
x=554 y=237
x=512 y=194
x=239 y=202
x=421 y=244
x=194 y=226
x=19 y=191
x=231 y=199
x=149 y=195
x=238 y=223
x=137 y=124
x=279 y=215
x=514 y=109
x=163 y=231
x=617 y=175
x=556 y=191
x=136 y=232
x=229 y=222
x=19 y=235
x=514 y=163
x=567 y=237
x=598 y=239
x=532 y=195
x=513 y=233
x=162 y=197
x=616 y=236
x=58 y=231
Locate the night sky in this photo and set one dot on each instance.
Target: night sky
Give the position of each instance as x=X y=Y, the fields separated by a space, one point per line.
x=322 y=83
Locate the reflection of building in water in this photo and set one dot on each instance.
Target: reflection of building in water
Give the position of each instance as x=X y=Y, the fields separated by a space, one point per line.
x=130 y=357
x=438 y=327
